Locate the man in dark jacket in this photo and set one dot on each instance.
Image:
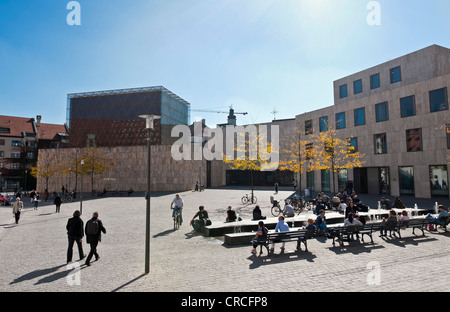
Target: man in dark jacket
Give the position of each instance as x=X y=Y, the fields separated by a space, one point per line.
x=75 y=233
x=94 y=229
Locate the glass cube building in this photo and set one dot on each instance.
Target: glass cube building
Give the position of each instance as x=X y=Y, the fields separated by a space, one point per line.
x=111 y=118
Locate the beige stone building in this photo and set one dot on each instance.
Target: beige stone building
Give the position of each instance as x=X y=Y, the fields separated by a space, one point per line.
x=397 y=114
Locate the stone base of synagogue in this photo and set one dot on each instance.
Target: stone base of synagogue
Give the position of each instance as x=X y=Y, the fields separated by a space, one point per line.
x=129 y=171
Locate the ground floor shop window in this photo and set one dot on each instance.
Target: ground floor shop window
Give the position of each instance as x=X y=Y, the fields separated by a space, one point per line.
x=406 y=179
x=439 y=180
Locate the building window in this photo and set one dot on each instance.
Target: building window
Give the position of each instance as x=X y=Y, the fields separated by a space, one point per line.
x=375 y=81
x=15 y=155
x=340 y=120
x=16 y=143
x=357 y=86
x=414 y=140
x=406 y=180
x=325 y=180
x=5 y=130
x=14 y=166
x=396 y=74
x=381 y=112
x=380 y=143
x=323 y=124
x=310 y=181
x=439 y=180
x=308 y=127
x=2 y=154
x=353 y=147
x=438 y=100
x=343 y=91
x=2 y=141
x=309 y=150
x=30 y=155
x=408 y=106
x=360 y=118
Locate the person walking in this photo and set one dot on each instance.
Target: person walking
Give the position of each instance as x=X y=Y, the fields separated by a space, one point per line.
x=75 y=233
x=276 y=187
x=57 y=202
x=17 y=208
x=94 y=229
x=36 y=200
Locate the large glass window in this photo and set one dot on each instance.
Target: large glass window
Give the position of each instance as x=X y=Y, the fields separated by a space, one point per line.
x=340 y=120
x=408 y=106
x=360 y=118
x=414 y=140
x=310 y=181
x=325 y=180
x=323 y=124
x=342 y=179
x=438 y=100
x=343 y=91
x=357 y=86
x=396 y=74
x=375 y=81
x=380 y=143
x=382 y=112
x=353 y=148
x=439 y=180
x=406 y=180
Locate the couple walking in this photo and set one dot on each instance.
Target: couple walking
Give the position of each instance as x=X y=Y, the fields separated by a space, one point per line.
x=75 y=233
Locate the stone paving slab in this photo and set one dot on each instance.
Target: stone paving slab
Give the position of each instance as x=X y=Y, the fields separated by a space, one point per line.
x=33 y=253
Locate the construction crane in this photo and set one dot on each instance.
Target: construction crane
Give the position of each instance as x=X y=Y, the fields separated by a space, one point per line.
x=231 y=116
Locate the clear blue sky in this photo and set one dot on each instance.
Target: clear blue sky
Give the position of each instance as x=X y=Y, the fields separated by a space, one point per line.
x=256 y=55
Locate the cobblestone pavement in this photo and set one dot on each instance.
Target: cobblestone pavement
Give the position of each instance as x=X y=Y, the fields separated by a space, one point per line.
x=33 y=253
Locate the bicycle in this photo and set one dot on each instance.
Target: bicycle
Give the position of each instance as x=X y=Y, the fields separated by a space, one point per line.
x=176 y=219
x=245 y=199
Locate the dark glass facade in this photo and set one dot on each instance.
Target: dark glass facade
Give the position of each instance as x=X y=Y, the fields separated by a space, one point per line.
x=111 y=118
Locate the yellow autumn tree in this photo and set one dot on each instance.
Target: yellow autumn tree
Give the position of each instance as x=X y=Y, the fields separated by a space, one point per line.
x=334 y=154
x=296 y=155
x=95 y=162
x=46 y=167
x=252 y=151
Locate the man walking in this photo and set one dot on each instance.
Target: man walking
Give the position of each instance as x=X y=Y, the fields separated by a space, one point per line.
x=94 y=229
x=17 y=208
x=75 y=233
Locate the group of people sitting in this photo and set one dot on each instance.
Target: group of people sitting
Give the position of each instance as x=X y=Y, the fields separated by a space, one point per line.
x=6 y=200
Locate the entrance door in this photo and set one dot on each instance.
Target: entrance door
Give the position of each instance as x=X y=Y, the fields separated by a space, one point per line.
x=360 y=180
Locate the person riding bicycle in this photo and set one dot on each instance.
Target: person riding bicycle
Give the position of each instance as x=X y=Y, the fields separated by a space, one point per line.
x=177 y=205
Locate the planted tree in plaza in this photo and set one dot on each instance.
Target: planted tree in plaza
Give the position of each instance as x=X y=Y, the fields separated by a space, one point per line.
x=334 y=154
x=251 y=151
x=95 y=162
x=296 y=155
x=46 y=167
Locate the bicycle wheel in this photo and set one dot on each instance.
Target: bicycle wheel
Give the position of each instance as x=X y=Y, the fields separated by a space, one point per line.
x=176 y=221
x=255 y=200
x=69 y=199
x=276 y=211
x=244 y=200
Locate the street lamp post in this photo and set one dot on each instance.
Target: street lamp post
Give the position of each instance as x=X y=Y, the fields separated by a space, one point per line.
x=26 y=174
x=81 y=193
x=149 y=126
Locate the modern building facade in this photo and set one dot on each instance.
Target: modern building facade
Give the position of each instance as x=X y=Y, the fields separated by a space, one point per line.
x=397 y=115
x=111 y=118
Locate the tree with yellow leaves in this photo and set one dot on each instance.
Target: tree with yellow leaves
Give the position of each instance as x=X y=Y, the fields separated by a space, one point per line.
x=95 y=162
x=252 y=151
x=46 y=167
x=296 y=155
x=334 y=154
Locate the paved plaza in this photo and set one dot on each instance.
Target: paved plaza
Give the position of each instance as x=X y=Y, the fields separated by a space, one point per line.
x=33 y=253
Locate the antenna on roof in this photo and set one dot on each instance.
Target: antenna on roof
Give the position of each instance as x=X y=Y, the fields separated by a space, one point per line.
x=274 y=113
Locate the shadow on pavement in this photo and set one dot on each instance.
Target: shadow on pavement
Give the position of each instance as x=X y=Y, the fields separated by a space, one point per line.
x=38 y=273
x=281 y=257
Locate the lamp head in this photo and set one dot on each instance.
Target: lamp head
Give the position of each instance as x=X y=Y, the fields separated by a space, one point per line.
x=149 y=120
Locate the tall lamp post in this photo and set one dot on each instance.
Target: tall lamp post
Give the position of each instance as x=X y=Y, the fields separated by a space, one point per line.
x=149 y=126
x=81 y=192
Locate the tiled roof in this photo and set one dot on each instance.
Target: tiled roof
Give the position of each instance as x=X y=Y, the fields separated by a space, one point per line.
x=48 y=131
x=16 y=126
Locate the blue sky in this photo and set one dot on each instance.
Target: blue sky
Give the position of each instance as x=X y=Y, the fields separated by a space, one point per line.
x=256 y=55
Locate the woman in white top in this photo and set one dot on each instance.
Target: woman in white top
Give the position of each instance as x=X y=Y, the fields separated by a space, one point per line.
x=352 y=221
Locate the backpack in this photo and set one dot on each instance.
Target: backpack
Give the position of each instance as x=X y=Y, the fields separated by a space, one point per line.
x=92 y=227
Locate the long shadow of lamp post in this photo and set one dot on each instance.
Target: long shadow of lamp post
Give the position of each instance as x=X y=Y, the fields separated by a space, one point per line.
x=148 y=126
x=81 y=193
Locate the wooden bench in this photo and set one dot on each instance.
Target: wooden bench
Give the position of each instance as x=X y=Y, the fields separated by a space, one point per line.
x=346 y=233
x=411 y=224
x=444 y=221
x=300 y=236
